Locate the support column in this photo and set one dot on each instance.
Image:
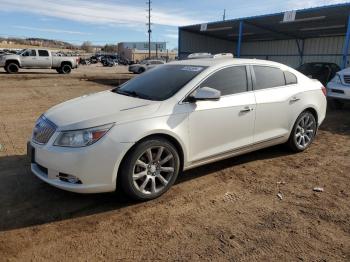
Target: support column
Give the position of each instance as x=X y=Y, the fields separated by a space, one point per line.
x=300 y=50
x=346 y=45
x=239 y=44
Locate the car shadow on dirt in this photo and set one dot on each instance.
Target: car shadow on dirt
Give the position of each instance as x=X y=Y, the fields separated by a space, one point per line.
x=337 y=120
x=267 y=153
x=27 y=201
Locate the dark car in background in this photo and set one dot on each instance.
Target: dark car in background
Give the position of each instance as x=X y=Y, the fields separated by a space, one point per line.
x=321 y=71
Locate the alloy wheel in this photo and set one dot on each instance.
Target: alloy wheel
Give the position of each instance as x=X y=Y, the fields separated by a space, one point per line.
x=153 y=170
x=305 y=131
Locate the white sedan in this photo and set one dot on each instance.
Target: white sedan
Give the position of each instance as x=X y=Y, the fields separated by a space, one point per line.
x=175 y=117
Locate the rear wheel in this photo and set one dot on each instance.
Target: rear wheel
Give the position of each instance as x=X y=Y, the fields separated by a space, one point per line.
x=66 y=69
x=58 y=70
x=150 y=169
x=11 y=68
x=303 y=132
x=141 y=70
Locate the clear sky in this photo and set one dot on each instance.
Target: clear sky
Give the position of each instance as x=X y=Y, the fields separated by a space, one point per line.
x=112 y=21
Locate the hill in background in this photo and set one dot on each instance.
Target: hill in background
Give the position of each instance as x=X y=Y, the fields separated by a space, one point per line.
x=47 y=43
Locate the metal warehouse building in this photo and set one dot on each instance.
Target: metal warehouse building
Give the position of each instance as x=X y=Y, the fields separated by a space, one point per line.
x=310 y=35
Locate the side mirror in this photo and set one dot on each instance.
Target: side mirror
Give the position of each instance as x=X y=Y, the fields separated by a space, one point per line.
x=205 y=94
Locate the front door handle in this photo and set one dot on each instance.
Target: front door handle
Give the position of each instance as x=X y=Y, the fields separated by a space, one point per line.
x=247 y=109
x=294 y=99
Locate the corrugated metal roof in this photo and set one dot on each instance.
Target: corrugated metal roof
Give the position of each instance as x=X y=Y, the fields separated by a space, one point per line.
x=312 y=22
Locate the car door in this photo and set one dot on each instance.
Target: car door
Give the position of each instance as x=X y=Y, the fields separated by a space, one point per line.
x=217 y=127
x=28 y=59
x=274 y=102
x=43 y=59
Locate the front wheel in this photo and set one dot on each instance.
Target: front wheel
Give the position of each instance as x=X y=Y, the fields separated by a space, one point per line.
x=12 y=68
x=150 y=169
x=303 y=132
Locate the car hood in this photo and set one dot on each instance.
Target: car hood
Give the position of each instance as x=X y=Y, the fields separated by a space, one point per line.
x=10 y=56
x=99 y=109
x=345 y=71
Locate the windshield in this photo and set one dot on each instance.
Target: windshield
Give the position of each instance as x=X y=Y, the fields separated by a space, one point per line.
x=20 y=52
x=160 y=83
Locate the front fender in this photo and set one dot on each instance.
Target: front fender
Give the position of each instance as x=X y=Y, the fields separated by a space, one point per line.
x=175 y=126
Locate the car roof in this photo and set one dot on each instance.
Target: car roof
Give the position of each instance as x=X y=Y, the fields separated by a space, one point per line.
x=208 y=62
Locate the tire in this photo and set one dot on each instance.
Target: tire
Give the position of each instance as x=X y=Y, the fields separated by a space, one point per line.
x=143 y=176
x=12 y=68
x=303 y=132
x=58 y=70
x=141 y=70
x=66 y=69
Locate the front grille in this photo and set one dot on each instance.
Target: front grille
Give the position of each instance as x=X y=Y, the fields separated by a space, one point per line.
x=346 y=79
x=337 y=91
x=43 y=130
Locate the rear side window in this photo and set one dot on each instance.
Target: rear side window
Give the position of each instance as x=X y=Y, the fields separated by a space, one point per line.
x=267 y=77
x=229 y=81
x=291 y=79
x=43 y=53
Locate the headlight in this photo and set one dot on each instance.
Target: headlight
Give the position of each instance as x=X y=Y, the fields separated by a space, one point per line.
x=80 y=138
x=336 y=79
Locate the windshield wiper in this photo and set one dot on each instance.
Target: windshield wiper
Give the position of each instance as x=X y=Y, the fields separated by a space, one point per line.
x=131 y=93
x=127 y=93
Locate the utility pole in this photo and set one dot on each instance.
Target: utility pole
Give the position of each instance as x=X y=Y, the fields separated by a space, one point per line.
x=149 y=28
x=224 y=16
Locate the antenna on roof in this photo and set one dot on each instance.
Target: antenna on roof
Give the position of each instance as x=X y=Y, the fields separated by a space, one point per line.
x=224 y=16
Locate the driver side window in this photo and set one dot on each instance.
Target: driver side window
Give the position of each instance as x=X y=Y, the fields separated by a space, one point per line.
x=228 y=81
x=29 y=53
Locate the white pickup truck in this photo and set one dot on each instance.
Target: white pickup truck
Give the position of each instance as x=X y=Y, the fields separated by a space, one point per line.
x=38 y=59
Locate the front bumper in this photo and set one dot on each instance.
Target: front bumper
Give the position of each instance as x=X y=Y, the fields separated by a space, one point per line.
x=338 y=91
x=95 y=166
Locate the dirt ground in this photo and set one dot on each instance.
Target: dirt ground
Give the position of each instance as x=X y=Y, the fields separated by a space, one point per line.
x=223 y=211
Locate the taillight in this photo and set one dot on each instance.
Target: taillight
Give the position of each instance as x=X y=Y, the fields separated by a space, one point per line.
x=324 y=90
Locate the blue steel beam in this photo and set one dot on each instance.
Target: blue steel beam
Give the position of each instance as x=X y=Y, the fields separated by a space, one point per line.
x=346 y=45
x=239 y=44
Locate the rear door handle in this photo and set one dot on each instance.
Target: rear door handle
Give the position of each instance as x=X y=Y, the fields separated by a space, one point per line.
x=247 y=109
x=294 y=99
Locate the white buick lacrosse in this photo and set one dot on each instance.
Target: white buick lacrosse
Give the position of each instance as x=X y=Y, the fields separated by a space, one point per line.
x=172 y=118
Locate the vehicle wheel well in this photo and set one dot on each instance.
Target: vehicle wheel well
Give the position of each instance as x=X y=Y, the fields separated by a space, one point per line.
x=12 y=61
x=169 y=138
x=66 y=63
x=313 y=112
